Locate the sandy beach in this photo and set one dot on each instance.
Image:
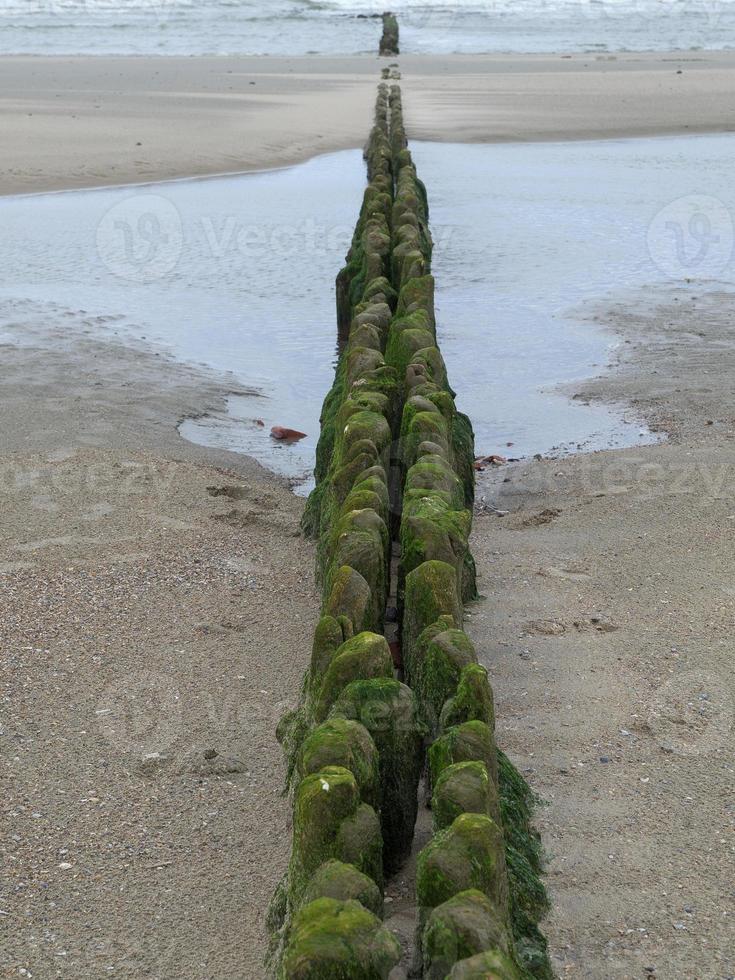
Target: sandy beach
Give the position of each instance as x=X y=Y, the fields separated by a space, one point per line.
x=141 y=572
x=606 y=626
x=84 y=122
x=145 y=667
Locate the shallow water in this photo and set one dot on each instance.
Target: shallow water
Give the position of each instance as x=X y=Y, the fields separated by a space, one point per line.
x=533 y=239
x=237 y=273
x=340 y=26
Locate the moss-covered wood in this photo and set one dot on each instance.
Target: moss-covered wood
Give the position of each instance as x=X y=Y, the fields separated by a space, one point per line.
x=468 y=854
x=345 y=743
x=389 y=712
x=461 y=927
x=437 y=662
x=339 y=940
x=464 y=787
x=389 y=39
x=490 y=965
x=330 y=821
x=472 y=700
x=362 y=657
x=395 y=463
x=430 y=593
x=529 y=902
x=472 y=741
x=348 y=600
x=343 y=882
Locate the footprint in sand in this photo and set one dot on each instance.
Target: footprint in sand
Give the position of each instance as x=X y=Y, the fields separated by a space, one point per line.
x=544 y=627
x=232 y=493
x=537 y=520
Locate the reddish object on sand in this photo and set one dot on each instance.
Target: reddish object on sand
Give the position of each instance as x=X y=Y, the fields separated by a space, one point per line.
x=494 y=460
x=286 y=435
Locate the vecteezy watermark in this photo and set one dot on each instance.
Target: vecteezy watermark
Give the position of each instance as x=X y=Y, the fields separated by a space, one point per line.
x=692 y=714
x=646 y=479
x=695 y=13
x=430 y=16
x=141 y=238
x=154 y=716
x=141 y=713
x=227 y=235
x=700 y=18
x=691 y=237
x=144 y=238
x=77 y=473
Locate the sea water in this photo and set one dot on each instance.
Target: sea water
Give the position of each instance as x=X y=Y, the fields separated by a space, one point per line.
x=293 y=27
x=237 y=273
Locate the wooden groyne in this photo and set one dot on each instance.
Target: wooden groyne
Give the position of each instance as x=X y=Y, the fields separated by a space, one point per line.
x=395 y=705
x=389 y=38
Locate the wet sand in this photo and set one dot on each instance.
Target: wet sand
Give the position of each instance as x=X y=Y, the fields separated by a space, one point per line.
x=607 y=628
x=82 y=122
x=144 y=581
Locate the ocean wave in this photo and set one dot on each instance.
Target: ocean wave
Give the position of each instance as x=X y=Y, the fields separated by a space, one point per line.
x=294 y=27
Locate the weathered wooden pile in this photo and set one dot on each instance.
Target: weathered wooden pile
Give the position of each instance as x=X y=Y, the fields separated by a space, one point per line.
x=392 y=513
x=389 y=38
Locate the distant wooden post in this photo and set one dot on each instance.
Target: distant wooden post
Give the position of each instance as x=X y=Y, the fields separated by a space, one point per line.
x=389 y=40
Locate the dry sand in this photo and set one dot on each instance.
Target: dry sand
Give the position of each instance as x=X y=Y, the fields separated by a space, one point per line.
x=80 y=122
x=151 y=612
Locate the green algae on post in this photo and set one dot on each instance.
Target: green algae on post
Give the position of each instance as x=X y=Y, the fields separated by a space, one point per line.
x=472 y=741
x=346 y=743
x=337 y=939
x=460 y=928
x=323 y=802
x=490 y=965
x=436 y=669
x=389 y=38
x=468 y=854
x=388 y=710
x=472 y=700
x=529 y=901
x=464 y=787
x=362 y=657
x=343 y=882
x=392 y=513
